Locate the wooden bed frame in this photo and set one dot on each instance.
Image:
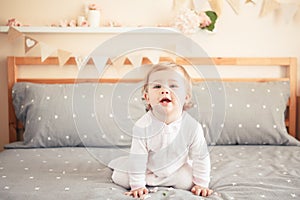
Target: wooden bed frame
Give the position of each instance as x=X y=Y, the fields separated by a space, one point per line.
x=289 y=63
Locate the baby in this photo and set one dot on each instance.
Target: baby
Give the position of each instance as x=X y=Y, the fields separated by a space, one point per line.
x=168 y=146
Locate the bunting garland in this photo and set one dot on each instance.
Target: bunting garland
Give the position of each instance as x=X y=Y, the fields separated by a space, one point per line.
x=179 y=4
x=235 y=5
x=135 y=60
x=153 y=57
x=100 y=62
x=118 y=61
x=13 y=34
x=216 y=5
x=81 y=61
x=251 y=1
x=268 y=7
x=29 y=43
x=288 y=9
x=46 y=51
x=63 y=56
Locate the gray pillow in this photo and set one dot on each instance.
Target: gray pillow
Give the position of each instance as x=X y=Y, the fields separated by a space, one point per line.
x=85 y=114
x=101 y=115
x=243 y=112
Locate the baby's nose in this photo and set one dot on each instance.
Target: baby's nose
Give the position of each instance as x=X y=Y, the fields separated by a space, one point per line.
x=165 y=91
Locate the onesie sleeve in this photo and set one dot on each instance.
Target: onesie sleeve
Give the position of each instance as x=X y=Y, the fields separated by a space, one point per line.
x=199 y=154
x=138 y=160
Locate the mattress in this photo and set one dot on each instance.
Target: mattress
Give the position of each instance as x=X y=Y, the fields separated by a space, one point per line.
x=238 y=172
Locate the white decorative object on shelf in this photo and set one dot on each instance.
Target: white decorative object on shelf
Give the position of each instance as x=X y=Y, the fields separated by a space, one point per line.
x=94 y=18
x=81 y=20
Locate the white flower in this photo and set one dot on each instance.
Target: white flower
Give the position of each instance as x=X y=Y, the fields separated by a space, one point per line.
x=187 y=21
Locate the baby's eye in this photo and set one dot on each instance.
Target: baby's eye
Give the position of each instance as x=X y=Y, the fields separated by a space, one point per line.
x=173 y=86
x=157 y=86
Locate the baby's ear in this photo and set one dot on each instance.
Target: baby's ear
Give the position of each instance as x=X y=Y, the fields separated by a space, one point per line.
x=188 y=102
x=188 y=98
x=145 y=96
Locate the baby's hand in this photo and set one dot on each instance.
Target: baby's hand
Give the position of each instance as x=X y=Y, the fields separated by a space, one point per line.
x=201 y=191
x=138 y=193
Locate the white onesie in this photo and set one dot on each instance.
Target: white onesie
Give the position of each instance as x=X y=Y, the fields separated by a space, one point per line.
x=160 y=150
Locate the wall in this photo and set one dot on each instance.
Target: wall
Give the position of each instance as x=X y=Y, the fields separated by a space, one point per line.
x=245 y=34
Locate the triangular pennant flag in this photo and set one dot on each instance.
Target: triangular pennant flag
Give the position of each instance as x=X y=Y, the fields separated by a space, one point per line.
x=63 y=56
x=180 y=4
x=46 y=51
x=251 y=1
x=289 y=11
x=235 y=5
x=13 y=34
x=192 y=4
x=100 y=62
x=216 y=5
x=119 y=61
x=136 y=60
x=81 y=61
x=268 y=6
x=153 y=57
x=29 y=43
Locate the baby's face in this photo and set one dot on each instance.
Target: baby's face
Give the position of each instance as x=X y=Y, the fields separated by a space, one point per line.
x=167 y=91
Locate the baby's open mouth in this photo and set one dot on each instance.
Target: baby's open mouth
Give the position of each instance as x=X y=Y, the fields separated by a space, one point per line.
x=165 y=101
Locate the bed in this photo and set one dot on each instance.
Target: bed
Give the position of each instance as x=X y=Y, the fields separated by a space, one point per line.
x=60 y=145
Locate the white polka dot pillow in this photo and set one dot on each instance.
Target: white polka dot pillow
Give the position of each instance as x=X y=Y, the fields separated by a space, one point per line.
x=86 y=114
x=101 y=115
x=243 y=112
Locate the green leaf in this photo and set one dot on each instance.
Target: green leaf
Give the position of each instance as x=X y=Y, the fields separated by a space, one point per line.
x=213 y=17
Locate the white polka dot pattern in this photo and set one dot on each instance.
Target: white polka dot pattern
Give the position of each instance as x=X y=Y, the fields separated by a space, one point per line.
x=249 y=113
x=78 y=115
x=81 y=173
x=251 y=171
x=87 y=111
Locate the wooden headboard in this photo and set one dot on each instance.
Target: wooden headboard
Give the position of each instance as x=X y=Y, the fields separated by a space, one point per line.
x=289 y=63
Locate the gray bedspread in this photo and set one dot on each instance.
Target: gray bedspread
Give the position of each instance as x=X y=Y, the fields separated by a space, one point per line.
x=238 y=172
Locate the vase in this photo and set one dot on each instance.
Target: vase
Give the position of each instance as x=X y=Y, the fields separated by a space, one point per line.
x=94 y=18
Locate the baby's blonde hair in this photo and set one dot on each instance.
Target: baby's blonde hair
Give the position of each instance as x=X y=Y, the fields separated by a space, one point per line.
x=169 y=66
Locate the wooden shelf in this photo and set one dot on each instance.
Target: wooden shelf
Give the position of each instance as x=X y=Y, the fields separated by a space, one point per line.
x=103 y=30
